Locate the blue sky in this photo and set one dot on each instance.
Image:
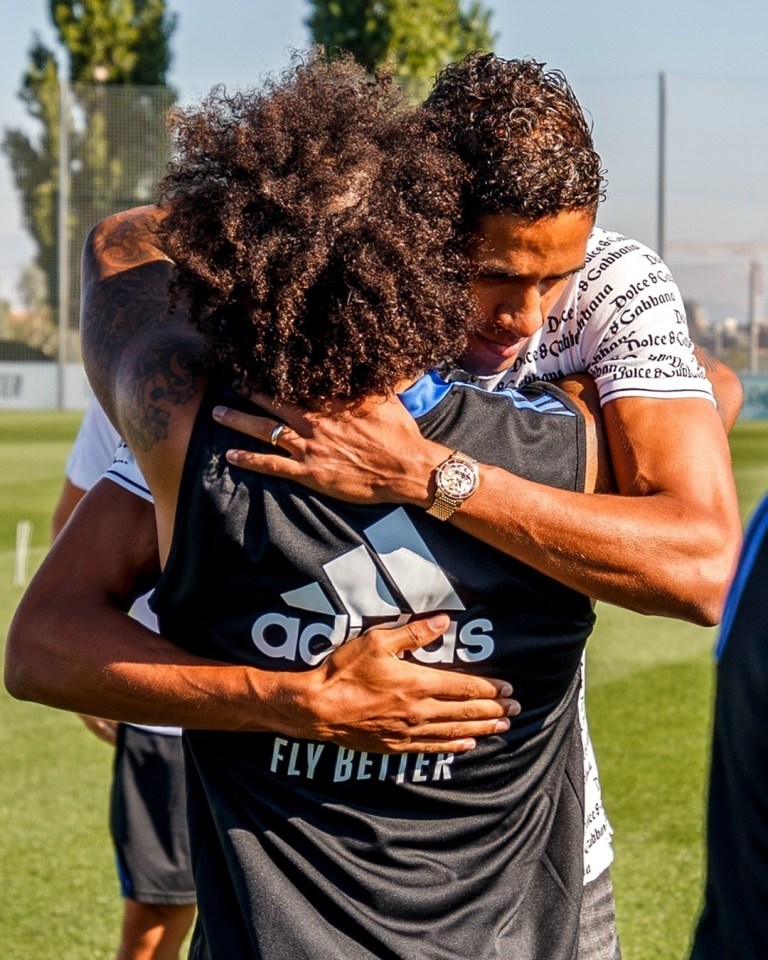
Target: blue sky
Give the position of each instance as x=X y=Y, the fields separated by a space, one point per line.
x=235 y=40
x=714 y=53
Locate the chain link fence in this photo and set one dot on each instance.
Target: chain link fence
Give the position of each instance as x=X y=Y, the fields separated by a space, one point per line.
x=701 y=201
x=102 y=151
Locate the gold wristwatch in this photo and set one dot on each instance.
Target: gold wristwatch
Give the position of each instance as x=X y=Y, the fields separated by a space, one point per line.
x=456 y=479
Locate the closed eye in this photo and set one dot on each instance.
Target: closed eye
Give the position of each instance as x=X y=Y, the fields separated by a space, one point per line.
x=496 y=277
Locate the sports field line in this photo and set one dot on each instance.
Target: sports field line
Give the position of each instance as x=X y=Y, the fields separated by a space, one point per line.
x=35 y=557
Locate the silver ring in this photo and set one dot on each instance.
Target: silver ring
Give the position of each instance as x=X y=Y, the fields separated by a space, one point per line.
x=275 y=435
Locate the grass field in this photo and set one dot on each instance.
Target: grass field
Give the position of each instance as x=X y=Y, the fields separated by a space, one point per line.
x=650 y=685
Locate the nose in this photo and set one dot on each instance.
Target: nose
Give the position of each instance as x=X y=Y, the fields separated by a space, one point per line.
x=521 y=311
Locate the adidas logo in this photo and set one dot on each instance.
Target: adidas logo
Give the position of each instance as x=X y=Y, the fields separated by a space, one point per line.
x=356 y=579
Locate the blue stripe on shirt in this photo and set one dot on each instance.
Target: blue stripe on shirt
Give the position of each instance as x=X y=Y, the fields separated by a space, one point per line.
x=753 y=539
x=427 y=392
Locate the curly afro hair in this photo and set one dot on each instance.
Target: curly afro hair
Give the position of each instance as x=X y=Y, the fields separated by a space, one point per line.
x=523 y=135
x=315 y=227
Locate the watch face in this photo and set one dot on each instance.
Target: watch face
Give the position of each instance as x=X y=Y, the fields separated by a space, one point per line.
x=456 y=479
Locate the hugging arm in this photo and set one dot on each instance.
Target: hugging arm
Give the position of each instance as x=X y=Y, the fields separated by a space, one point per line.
x=664 y=544
x=72 y=645
x=69 y=498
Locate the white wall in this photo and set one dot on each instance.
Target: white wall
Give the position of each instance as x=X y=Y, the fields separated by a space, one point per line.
x=35 y=386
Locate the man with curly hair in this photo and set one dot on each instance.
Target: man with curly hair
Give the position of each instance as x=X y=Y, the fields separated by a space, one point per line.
x=327 y=270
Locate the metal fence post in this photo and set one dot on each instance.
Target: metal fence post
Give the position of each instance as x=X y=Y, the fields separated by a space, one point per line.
x=661 y=187
x=63 y=237
x=755 y=285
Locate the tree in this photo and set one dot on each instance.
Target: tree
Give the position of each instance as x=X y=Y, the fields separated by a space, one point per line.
x=118 y=54
x=415 y=38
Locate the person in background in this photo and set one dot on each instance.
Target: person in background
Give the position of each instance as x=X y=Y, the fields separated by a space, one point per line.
x=734 y=919
x=148 y=817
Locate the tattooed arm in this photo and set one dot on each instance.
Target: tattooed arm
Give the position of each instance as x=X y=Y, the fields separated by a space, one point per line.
x=139 y=351
x=72 y=645
x=138 y=347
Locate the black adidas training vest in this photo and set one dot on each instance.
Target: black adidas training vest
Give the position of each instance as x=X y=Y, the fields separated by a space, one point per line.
x=310 y=850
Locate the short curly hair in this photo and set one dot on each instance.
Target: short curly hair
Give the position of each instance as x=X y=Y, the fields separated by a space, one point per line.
x=523 y=135
x=315 y=227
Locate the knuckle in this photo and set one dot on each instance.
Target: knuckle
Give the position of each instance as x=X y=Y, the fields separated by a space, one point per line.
x=271 y=465
x=411 y=720
x=397 y=741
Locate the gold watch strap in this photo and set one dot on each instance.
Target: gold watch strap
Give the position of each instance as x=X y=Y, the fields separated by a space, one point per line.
x=464 y=457
x=443 y=507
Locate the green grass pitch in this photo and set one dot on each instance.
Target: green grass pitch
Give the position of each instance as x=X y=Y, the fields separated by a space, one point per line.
x=649 y=702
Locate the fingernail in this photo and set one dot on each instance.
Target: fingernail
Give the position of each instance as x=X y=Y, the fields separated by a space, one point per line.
x=467 y=745
x=506 y=690
x=219 y=413
x=234 y=456
x=502 y=726
x=439 y=622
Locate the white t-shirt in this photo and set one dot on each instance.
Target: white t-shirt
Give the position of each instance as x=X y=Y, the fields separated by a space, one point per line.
x=93 y=449
x=98 y=452
x=621 y=319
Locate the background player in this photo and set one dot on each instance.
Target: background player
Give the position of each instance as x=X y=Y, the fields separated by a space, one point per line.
x=148 y=818
x=733 y=921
